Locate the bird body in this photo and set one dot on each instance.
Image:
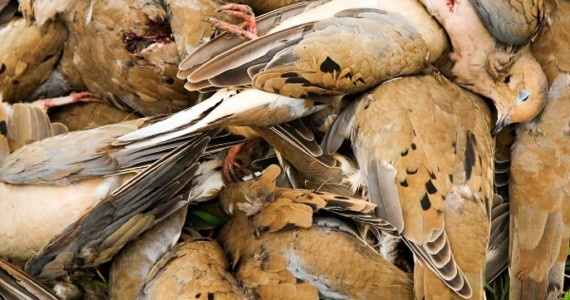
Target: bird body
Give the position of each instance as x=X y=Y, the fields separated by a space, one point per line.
x=135 y=69
x=510 y=77
x=427 y=160
x=276 y=244
x=196 y=269
x=540 y=212
x=328 y=48
x=29 y=53
x=511 y=22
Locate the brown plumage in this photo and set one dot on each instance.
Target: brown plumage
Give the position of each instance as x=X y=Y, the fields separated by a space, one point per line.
x=17 y=285
x=131 y=266
x=188 y=28
x=511 y=22
x=136 y=60
x=29 y=53
x=90 y=115
x=121 y=215
x=427 y=160
x=509 y=76
x=280 y=250
x=551 y=46
x=331 y=48
x=539 y=193
x=24 y=123
x=192 y=270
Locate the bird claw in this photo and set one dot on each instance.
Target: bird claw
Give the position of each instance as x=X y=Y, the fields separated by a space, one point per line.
x=246 y=31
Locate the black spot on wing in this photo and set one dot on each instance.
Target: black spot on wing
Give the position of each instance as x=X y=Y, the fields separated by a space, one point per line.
x=430 y=187
x=210 y=296
x=47 y=57
x=426 y=204
x=3 y=128
x=411 y=171
x=289 y=75
x=404 y=153
x=338 y=203
x=404 y=183
x=329 y=66
x=298 y=80
x=2 y=68
x=413 y=145
x=470 y=154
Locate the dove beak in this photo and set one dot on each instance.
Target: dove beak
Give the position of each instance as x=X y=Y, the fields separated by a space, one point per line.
x=502 y=122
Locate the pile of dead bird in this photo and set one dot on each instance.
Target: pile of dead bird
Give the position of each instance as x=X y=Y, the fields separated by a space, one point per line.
x=362 y=149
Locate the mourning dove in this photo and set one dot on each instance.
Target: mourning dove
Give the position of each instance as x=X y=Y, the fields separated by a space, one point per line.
x=17 y=285
x=185 y=19
x=132 y=265
x=308 y=50
x=539 y=193
x=551 y=45
x=77 y=181
x=511 y=22
x=192 y=270
x=142 y=202
x=29 y=53
x=509 y=76
x=427 y=161
x=136 y=60
x=276 y=245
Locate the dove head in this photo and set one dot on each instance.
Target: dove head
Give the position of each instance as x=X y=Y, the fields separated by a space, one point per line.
x=520 y=88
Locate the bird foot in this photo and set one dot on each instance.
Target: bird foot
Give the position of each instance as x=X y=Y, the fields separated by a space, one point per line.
x=46 y=104
x=233 y=168
x=247 y=30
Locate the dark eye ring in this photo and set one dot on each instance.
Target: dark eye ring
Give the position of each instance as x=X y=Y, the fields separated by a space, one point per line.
x=523 y=96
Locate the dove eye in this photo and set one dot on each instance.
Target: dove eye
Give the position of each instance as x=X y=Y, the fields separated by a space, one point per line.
x=523 y=96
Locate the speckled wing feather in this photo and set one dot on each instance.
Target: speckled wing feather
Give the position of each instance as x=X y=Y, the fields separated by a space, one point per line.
x=498 y=250
x=328 y=259
x=29 y=53
x=317 y=58
x=539 y=208
x=513 y=22
x=17 y=285
x=226 y=41
x=314 y=170
x=432 y=180
x=197 y=269
x=142 y=202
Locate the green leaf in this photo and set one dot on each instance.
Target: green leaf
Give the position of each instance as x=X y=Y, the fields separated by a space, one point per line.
x=208 y=218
